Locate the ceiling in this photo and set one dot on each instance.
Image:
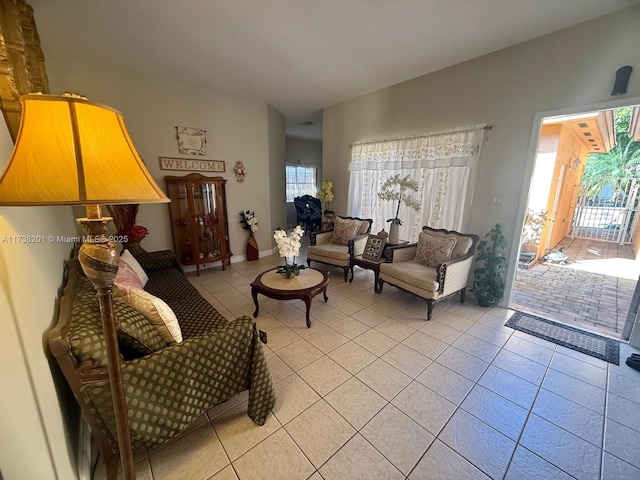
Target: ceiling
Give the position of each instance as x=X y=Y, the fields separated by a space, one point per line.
x=595 y=130
x=299 y=55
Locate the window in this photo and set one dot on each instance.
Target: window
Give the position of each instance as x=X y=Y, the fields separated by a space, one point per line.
x=301 y=181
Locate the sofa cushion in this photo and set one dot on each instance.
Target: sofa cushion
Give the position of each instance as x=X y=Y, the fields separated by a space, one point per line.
x=331 y=250
x=433 y=251
x=135 y=266
x=412 y=273
x=158 y=313
x=344 y=230
x=169 y=284
x=85 y=336
x=126 y=278
x=136 y=336
x=196 y=316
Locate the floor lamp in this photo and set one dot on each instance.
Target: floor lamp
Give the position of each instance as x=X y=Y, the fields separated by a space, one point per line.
x=70 y=151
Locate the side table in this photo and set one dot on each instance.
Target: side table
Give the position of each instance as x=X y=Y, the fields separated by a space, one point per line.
x=372 y=264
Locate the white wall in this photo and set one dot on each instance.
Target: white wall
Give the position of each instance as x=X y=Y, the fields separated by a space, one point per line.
x=152 y=108
x=569 y=68
x=36 y=441
x=277 y=177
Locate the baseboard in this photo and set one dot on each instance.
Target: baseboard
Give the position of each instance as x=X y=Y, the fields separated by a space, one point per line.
x=84 y=451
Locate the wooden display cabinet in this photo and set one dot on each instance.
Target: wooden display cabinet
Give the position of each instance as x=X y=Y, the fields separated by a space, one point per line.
x=199 y=224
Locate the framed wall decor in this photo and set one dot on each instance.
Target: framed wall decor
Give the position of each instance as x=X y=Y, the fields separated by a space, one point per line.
x=192 y=141
x=192 y=165
x=374 y=247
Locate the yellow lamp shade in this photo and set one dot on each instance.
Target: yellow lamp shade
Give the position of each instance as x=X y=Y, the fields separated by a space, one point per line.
x=70 y=151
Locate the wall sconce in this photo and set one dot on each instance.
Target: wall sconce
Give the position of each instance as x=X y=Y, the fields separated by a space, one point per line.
x=240 y=171
x=575 y=164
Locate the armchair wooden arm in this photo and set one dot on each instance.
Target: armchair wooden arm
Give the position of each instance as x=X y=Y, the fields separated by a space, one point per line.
x=400 y=253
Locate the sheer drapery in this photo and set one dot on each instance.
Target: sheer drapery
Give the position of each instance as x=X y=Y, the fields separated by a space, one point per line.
x=444 y=163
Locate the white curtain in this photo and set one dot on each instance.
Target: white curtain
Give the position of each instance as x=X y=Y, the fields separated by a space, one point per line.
x=444 y=163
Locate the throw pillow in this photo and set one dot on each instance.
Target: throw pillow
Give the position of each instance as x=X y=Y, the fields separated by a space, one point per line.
x=136 y=336
x=126 y=279
x=344 y=230
x=432 y=251
x=158 y=313
x=133 y=263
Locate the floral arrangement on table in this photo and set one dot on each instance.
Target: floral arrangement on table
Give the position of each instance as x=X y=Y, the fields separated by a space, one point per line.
x=326 y=192
x=397 y=189
x=289 y=248
x=249 y=221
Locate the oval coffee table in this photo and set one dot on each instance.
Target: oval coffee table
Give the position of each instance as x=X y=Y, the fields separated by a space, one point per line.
x=305 y=286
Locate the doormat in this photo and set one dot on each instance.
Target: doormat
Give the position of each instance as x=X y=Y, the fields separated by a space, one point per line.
x=592 y=344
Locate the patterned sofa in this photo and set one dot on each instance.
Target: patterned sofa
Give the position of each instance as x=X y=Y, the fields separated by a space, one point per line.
x=166 y=386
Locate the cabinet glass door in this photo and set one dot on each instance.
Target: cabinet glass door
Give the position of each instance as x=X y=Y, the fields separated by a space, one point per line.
x=207 y=218
x=181 y=218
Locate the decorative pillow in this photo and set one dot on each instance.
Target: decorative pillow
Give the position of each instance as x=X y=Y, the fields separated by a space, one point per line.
x=126 y=279
x=133 y=263
x=136 y=336
x=158 y=313
x=432 y=251
x=344 y=230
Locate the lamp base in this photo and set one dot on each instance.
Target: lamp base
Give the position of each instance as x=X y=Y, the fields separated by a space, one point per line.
x=99 y=260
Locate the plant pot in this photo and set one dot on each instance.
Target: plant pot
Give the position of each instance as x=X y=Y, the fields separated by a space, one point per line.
x=329 y=214
x=394 y=232
x=288 y=275
x=252 y=248
x=133 y=245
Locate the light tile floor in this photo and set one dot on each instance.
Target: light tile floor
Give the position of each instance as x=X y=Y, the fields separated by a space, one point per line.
x=374 y=391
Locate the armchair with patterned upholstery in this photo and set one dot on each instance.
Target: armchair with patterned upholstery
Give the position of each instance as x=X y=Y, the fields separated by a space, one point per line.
x=435 y=267
x=308 y=212
x=335 y=247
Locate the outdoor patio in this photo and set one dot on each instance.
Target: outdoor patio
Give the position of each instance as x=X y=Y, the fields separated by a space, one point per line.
x=592 y=291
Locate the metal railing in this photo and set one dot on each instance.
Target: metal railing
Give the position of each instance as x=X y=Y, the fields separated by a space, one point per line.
x=606 y=210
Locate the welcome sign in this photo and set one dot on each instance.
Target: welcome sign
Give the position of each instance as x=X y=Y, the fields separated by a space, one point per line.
x=190 y=165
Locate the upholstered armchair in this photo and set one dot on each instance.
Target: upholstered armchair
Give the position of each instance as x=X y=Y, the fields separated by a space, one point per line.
x=308 y=212
x=335 y=247
x=435 y=267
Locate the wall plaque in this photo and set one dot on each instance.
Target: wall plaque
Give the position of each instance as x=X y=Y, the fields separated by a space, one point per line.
x=191 y=165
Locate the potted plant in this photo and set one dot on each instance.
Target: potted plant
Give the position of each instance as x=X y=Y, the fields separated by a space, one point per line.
x=289 y=248
x=534 y=222
x=398 y=189
x=326 y=195
x=489 y=277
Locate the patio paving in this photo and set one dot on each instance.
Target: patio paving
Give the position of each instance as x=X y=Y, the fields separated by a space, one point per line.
x=592 y=291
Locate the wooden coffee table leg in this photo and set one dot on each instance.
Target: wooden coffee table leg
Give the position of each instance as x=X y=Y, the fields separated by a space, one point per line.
x=307 y=302
x=324 y=292
x=254 y=294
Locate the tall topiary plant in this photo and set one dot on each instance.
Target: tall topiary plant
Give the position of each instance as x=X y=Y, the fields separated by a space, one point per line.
x=489 y=277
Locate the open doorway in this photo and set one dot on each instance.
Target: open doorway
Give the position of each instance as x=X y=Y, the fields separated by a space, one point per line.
x=577 y=258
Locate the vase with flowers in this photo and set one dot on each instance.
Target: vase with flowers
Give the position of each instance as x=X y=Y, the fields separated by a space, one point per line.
x=399 y=189
x=250 y=222
x=289 y=249
x=326 y=195
x=124 y=218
